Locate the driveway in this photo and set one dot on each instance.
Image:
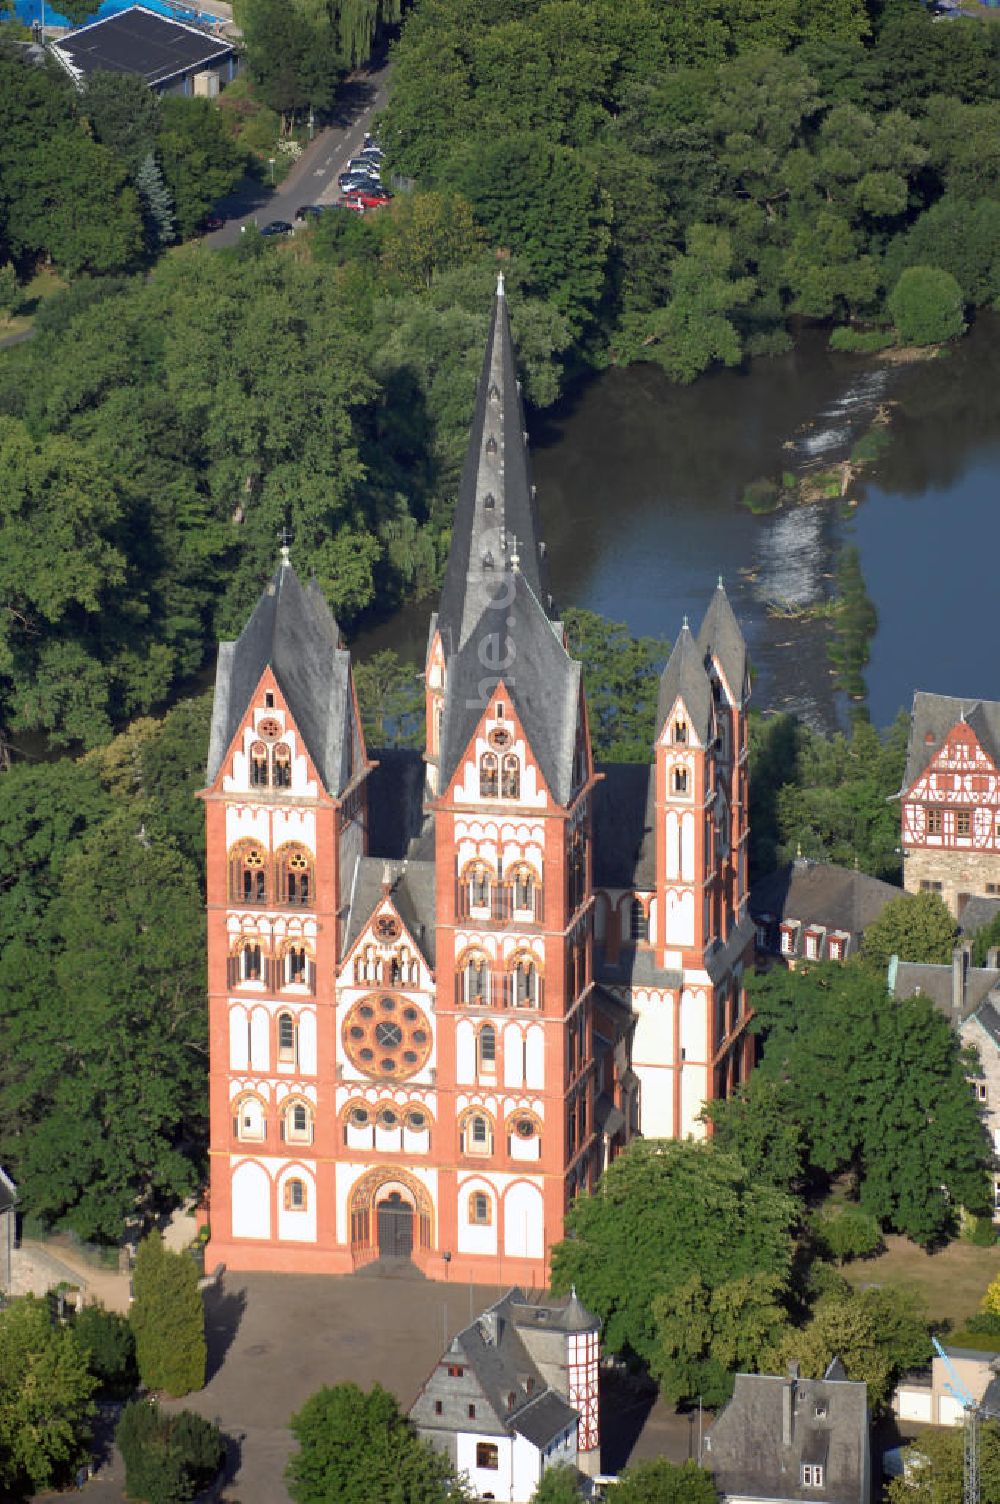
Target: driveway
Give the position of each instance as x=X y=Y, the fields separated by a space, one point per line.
x=314 y=176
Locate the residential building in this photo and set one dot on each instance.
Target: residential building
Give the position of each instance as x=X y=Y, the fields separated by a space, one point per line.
x=926 y=1396
x=970 y=997
x=815 y=911
x=951 y=799
x=787 y=1439
x=516 y=1392
x=172 y=57
x=445 y=987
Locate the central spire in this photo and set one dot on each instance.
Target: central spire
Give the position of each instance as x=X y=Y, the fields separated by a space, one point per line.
x=496 y=525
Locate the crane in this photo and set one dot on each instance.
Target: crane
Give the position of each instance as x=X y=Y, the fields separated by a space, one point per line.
x=970 y=1468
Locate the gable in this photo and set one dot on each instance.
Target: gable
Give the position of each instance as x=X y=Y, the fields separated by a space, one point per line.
x=499 y=749
x=391 y=905
x=266 y=748
x=959 y=767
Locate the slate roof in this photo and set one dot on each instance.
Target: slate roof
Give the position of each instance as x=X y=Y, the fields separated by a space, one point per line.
x=635 y=967
x=543 y=681
x=748 y=1456
x=933 y=716
x=937 y=983
x=821 y=893
x=685 y=676
x=720 y=637
x=412 y=896
x=139 y=41
x=544 y=1418
x=977 y=912
x=497 y=466
x=293 y=631
x=624 y=821
x=395 y=800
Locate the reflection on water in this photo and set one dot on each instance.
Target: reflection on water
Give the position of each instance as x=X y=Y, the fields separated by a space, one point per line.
x=640 y=487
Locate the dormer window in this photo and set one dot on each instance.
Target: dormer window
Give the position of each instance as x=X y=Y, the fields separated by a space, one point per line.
x=488 y=561
x=680 y=732
x=491 y=445
x=489 y=501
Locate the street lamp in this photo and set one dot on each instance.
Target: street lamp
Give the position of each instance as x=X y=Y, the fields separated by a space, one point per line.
x=270 y=160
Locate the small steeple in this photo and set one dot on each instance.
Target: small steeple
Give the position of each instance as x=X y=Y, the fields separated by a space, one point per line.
x=684 y=678
x=721 y=639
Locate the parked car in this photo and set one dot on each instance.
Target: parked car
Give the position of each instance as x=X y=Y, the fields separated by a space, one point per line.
x=278 y=227
x=308 y=211
x=360 y=164
x=212 y=222
x=371 y=154
x=368 y=198
x=353 y=203
x=349 y=180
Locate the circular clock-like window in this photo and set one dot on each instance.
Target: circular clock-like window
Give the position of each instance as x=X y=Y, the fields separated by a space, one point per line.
x=500 y=738
x=384 y=1038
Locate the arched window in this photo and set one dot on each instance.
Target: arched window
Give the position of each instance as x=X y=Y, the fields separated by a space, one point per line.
x=486 y=1049
x=489 y=775
x=403 y=968
x=477 y=1134
x=296 y=965
x=524 y=982
x=258 y=766
x=524 y=888
x=295 y=877
x=680 y=732
x=248 y=873
x=296 y=1197
x=577 y=865
x=480 y=1211
x=680 y=780
x=249 y=1120
x=476 y=979
x=251 y=963
x=522 y=1130
x=511 y=784
x=288 y=1038
x=297 y=1122
x=282 y=766
x=477 y=884
x=368 y=965
x=638 y=921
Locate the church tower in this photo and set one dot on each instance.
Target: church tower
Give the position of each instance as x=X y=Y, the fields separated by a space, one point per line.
x=285 y=818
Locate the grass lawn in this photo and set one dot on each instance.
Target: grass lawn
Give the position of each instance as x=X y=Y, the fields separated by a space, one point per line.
x=952 y=1282
x=42 y=285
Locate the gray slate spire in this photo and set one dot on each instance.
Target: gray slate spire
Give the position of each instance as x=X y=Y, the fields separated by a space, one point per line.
x=685 y=676
x=292 y=631
x=720 y=638
x=495 y=517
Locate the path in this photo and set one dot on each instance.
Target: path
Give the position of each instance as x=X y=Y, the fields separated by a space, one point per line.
x=314 y=176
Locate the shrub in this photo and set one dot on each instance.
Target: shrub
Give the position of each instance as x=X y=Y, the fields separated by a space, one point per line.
x=109 y=1344
x=168 y=1319
x=761 y=495
x=862 y=341
x=168 y=1458
x=926 y=305
x=848 y=1233
x=871 y=445
x=981 y=1232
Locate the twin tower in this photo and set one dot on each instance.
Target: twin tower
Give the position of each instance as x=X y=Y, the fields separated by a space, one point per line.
x=446 y=987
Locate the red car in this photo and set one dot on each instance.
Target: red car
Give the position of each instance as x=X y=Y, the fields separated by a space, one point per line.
x=367 y=198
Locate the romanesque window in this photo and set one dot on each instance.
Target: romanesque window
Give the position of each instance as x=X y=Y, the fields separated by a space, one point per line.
x=486 y=1049
x=368 y=965
x=522 y=1129
x=295 y=877
x=476 y=978
x=477 y=885
x=577 y=867
x=524 y=889
x=251 y=963
x=489 y=775
x=680 y=732
x=524 y=981
x=511 y=783
x=297 y=1123
x=477 y=1134
x=480 y=1209
x=680 y=780
x=287 y=1038
x=296 y=1198
x=638 y=920
x=296 y=965
x=258 y=766
x=249 y=1120
x=282 y=766
x=404 y=970
x=248 y=873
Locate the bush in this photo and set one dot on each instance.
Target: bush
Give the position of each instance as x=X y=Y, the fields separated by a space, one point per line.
x=927 y=306
x=109 y=1344
x=848 y=1233
x=168 y=1458
x=981 y=1231
x=861 y=341
x=761 y=496
x=871 y=445
x=168 y=1319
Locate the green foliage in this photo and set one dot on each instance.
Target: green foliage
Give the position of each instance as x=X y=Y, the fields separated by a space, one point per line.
x=958 y=235
x=391 y=700
x=156 y=201
x=69 y=197
x=123 y=113
x=559 y=1485
x=168 y=1319
x=358 y=1448
x=861 y=341
x=846 y=1232
x=168 y=1458
x=877 y=1334
x=761 y=496
x=834 y=1038
x=704 y=1336
x=621 y=677
x=991 y=1300
x=927 y=306
x=10 y=292
x=291 y=52
x=981 y=1232
x=662 y=1482
x=198 y=160
x=670 y=1213
x=854 y=625
x=935 y=1466
x=107 y=1339
x=985 y=940
x=45 y=1400
x=758 y=1126
x=914 y=927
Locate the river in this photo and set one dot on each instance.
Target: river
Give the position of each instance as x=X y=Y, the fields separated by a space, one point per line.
x=640 y=485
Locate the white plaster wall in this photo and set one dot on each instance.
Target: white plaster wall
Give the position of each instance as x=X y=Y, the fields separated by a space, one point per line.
x=694 y=1090
x=523 y=1221
x=687 y=847
x=534 y=1073
x=473 y=1238
x=245 y=822
x=694 y=1024
x=465 y=1051
x=653 y=1042
x=297 y=1227
x=513 y=1056
x=499 y=1483
x=656 y=1088
x=295 y=825
x=680 y=918
x=307 y=1042
x=260 y=1024
x=251 y=1197
x=238 y=1038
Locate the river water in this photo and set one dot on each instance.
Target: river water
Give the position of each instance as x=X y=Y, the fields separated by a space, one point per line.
x=640 y=485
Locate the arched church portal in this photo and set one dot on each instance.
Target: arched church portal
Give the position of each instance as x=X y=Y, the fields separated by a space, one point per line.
x=391 y=1214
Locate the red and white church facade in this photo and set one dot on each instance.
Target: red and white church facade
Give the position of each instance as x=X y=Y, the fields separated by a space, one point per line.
x=446 y=987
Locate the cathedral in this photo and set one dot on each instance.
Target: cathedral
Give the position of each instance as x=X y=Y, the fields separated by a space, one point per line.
x=447 y=986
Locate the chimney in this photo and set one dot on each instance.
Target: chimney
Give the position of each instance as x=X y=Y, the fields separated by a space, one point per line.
x=788 y=1404
x=959 y=975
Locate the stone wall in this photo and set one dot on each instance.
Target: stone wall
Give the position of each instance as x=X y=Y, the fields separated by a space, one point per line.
x=960 y=873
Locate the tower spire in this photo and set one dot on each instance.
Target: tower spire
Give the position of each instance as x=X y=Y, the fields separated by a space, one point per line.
x=496 y=523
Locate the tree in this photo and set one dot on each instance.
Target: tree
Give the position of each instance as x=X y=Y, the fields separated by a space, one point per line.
x=69 y=197
x=704 y=1336
x=358 y=1448
x=935 y=1466
x=169 y=1459
x=10 y=293
x=292 y=54
x=758 y=1127
x=621 y=676
x=123 y=112
x=927 y=306
x=846 y=1232
x=840 y=1327
x=107 y=1339
x=669 y=1212
x=198 y=160
x=425 y=233
x=961 y=236
x=391 y=700
x=559 y=1485
x=834 y=1038
x=985 y=940
x=156 y=203
x=168 y=1319
x=663 y=1482
x=914 y=927
x=45 y=1399
x=991 y=1300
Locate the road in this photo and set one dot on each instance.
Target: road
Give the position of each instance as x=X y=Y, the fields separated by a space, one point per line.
x=313 y=179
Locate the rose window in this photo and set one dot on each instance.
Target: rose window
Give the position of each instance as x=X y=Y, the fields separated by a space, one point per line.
x=387 y=1037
